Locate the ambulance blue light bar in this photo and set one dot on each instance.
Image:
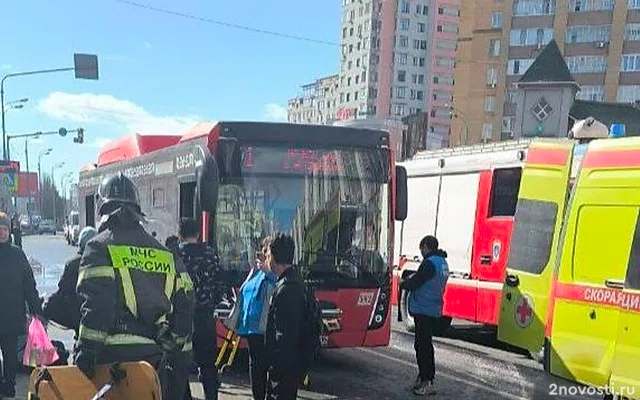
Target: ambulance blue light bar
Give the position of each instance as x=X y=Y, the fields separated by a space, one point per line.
x=617 y=130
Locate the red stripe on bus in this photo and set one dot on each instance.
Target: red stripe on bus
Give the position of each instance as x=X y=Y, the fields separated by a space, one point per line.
x=611 y=159
x=598 y=295
x=547 y=156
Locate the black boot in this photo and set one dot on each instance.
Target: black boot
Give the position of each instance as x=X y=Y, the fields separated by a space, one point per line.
x=210 y=383
x=7 y=390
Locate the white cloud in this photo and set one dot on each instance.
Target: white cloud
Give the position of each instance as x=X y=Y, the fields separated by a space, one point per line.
x=275 y=112
x=147 y=45
x=6 y=67
x=104 y=109
x=99 y=142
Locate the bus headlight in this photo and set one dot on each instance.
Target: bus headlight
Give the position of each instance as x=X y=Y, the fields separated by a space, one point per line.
x=380 y=308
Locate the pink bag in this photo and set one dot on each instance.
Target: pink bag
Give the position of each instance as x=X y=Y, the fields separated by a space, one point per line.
x=39 y=350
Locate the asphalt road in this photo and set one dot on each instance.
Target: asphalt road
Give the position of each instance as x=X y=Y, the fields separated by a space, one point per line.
x=470 y=364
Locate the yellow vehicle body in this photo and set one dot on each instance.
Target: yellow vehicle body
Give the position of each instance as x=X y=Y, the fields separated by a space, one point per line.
x=592 y=322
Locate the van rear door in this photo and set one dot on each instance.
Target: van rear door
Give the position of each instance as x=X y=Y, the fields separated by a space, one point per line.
x=537 y=223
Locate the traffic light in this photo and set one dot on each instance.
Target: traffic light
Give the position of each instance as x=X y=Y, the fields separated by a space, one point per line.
x=80 y=136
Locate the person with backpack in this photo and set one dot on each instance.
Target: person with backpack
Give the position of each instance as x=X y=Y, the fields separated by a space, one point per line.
x=286 y=322
x=248 y=318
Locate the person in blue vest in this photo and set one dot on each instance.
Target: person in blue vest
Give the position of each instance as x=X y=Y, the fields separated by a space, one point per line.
x=249 y=317
x=425 y=306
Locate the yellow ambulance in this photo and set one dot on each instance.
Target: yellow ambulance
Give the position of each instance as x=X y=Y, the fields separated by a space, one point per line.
x=572 y=290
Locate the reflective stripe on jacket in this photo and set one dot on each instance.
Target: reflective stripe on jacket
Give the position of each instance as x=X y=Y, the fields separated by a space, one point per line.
x=129 y=284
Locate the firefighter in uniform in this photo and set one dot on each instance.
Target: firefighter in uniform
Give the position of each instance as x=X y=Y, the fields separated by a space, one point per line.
x=137 y=298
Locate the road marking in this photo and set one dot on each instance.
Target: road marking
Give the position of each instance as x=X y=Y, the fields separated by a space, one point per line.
x=448 y=376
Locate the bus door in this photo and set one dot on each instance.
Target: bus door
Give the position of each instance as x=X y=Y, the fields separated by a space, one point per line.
x=537 y=223
x=625 y=379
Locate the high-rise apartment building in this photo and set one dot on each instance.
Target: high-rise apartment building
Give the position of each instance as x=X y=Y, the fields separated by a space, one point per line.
x=317 y=104
x=397 y=60
x=499 y=39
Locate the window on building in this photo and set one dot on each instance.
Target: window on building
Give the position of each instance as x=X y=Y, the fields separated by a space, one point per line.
x=490 y=104
x=419 y=95
x=588 y=33
x=399 y=109
x=416 y=44
x=591 y=5
x=420 y=79
x=404 y=41
x=632 y=32
x=492 y=77
x=422 y=27
x=519 y=67
x=496 y=19
x=487 y=131
x=494 y=47
x=591 y=93
x=402 y=58
x=586 y=64
x=404 y=24
x=628 y=93
x=634 y=4
x=405 y=7
x=402 y=76
x=530 y=36
x=401 y=92
x=523 y=8
x=542 y=109
x=630 y=63
x=508 y=124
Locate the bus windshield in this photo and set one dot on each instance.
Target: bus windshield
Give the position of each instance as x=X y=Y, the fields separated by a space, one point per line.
x=333 y=202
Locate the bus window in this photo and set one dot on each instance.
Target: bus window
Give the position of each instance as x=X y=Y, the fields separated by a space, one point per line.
x=90 y=211
x=633 y=269
x=504 y=192
x=187 y=199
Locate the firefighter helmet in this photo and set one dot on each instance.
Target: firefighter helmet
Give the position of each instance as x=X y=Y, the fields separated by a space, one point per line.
x=118 y=190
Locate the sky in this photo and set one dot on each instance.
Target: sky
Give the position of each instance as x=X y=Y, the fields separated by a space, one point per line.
x=159 y=73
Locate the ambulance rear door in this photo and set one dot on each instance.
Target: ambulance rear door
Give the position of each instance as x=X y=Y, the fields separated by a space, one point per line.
x=537 y=222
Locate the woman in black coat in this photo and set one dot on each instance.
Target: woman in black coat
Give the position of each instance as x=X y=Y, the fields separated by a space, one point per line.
x=17 y=287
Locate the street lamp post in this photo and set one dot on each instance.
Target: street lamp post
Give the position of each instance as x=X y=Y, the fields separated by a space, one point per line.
x=85 y=67
x=43 y=152
x=55 y=191
x=63 y=184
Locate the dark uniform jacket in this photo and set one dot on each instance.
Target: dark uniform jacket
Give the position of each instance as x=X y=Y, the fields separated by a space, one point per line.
x=284 y=326
x=129 y=285
x=63 y=306
x=17 y=287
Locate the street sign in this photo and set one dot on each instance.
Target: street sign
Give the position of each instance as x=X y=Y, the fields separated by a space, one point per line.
x=86 y=66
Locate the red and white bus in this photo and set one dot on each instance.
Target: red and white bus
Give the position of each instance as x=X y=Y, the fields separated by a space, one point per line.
x=246 y=180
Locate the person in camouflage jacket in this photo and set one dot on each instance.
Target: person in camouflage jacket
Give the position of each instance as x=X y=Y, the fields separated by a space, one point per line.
x=203 y=265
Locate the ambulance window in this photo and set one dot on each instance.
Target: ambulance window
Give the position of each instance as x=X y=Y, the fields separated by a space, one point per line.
x=504 y=192
x=532 y=235
x=603 y=239
x=633 y=269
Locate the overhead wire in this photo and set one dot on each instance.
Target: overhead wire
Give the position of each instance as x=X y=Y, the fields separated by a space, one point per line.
x=226 y=24
x=258 y=30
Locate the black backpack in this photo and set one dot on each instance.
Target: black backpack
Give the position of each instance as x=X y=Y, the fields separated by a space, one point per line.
x=311 y=331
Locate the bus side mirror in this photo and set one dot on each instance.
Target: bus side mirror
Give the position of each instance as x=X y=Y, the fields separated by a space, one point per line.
x=401 y=193
x=207 y=182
